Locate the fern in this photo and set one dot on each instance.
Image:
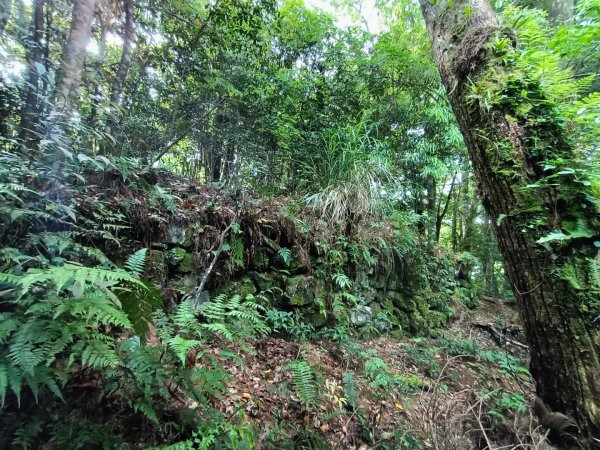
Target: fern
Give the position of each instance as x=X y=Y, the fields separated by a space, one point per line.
x=374 y=367
x=182 y=346
x=234 y=318
x=237 y=251
x=594 y=274
x=139 y=302
x=341 y=280
x=350 y=389
x=285 y=254
x=304 y=384
x=136 y=262
x=73 y=277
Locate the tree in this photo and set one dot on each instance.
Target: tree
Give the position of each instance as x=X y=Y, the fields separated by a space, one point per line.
x=119 y=79
x=518 y=147
x=29 y=131
x=72 y=59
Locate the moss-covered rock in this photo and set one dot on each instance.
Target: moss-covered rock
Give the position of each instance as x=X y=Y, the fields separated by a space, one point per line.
x=315 y=317
x=175 y=234
x=259 y=261
x=299 y=290
x=187 y=264
x=175 y=256
x=245 y=287
x=155 y=270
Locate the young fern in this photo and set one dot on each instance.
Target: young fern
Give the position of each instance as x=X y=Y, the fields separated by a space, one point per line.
x=136 y=262
x=304 y=382
x=350 y=389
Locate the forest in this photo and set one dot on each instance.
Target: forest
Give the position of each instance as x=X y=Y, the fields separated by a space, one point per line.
x=300 y=224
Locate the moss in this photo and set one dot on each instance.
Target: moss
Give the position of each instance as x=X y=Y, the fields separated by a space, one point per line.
x=155 y=267
x=260 y=261
x=246 y=287
x=187 y=264
x=175 y=256
x=315 y=318
x=298 y=290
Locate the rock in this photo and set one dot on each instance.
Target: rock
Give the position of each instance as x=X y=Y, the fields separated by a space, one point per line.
x=378 y=281
x=175 y=256
x=155 y=267
x=187 y=264
x=260 y=261
x=245 y=287
x=360 y=315
x=299 y=290
x=263 y=281
x=315 y=318
x=176 y=234
x=185 y=283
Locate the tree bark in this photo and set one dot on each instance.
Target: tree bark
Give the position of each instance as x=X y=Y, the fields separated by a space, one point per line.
x=5 y=10
x=71 y=68
x=73 y=56
x=121 y=75
x=30 y=115
x=508 y=150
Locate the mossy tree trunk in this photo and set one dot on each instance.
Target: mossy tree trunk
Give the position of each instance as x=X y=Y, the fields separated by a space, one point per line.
x=513 y=132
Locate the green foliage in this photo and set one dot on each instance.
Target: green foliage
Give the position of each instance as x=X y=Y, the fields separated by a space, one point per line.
x=37 y=333
x=350 y=389
x=502 y=403
x=347 y=173
x=304 y=382
x=508 y=364
x=234 y=318
x=136 y=262
x=217 y=433
x=285 y=254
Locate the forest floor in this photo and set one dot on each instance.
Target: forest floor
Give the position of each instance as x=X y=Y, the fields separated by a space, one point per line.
x=466 y=388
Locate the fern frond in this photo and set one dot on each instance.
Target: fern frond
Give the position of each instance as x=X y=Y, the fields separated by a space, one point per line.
x=182 y=346
x=304 y=385
x=350 y=389
x=139 y=303
x=96 y=353
x=136 y=262
x=220 y=328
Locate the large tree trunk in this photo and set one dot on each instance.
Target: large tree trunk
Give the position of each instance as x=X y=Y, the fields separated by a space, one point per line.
x=509 y=138
x=73 y=56
x=30 y=115
x=71 y=69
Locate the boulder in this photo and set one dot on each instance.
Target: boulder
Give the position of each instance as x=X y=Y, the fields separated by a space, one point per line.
x=154 y=269
x=360 y=315
x=299 y=290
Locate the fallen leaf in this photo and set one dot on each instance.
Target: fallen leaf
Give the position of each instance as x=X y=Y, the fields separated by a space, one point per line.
x=246 y=395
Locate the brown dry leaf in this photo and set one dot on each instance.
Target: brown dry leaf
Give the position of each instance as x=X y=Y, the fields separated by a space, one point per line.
x=246 y=395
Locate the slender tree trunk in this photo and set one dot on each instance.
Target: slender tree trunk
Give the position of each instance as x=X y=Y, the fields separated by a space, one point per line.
x=5 y=7
x=443 y=209
x=71 y=68
x=30 y=116
x=46 y=58
x=93 y=118
x=431 y=209
x=508 y=149
x=121 y=75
